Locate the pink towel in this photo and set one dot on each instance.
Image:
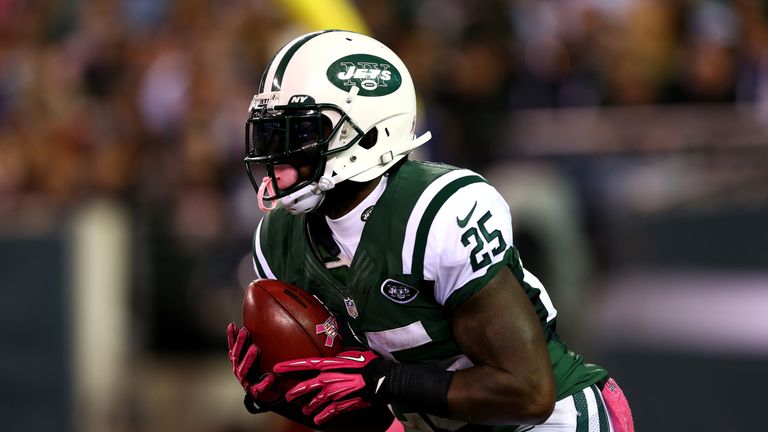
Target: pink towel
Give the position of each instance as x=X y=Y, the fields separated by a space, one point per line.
x=618 y=407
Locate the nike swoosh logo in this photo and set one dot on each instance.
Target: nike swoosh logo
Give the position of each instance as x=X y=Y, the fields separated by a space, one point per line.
x=463 y=222
x=359 y=358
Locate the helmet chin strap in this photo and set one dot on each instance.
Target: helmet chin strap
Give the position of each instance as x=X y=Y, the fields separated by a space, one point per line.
x=310 y=197
x=303 y=200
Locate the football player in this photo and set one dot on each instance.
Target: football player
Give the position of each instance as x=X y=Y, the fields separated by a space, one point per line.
x=418 y=258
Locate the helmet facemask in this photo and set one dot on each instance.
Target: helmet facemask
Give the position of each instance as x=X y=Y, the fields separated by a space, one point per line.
x=301 y=136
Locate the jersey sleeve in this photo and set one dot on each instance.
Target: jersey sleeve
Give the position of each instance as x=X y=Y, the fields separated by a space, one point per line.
x=470 y=238
x=260 y=264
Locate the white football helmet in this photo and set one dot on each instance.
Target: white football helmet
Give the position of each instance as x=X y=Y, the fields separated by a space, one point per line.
x=319 y=96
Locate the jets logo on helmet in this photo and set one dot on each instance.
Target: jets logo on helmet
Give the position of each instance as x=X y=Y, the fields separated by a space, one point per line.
x=374 y=75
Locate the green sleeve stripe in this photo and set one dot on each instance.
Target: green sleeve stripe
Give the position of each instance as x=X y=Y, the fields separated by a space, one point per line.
x=600 y=409
x=258 y=254
x=469 y=289
x=259 y=268
x=422 y=232
x=582 y=412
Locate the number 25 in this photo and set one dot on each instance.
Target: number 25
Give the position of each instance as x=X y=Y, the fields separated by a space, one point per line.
x=480 y=242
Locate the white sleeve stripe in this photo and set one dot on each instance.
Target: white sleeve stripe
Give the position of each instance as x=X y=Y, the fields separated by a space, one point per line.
x=535 y=283
x=260 y=253
x=418 y=212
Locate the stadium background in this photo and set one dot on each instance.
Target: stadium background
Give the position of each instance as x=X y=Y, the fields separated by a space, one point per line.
x=628 y=136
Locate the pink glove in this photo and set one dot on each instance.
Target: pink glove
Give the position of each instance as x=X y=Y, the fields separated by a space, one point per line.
x=345 y=383
x=241 y=365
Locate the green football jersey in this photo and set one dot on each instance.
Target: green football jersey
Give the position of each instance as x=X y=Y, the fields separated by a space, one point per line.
x=434 y=238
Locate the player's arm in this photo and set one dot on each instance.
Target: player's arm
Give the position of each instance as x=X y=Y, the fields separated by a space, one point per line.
x=512 y=380
x=494 y=323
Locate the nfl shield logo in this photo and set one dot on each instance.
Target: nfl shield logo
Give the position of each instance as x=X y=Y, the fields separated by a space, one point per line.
x=351 y=307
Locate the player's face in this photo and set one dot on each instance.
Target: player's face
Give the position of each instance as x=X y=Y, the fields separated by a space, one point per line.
x=287 y=174
x=291 y=144
x=302 y=163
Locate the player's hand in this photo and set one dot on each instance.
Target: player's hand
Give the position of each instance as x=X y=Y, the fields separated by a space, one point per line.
x=258 y=389
x=346 y=382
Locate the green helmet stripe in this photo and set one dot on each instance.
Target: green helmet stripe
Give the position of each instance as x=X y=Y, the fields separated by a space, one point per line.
x=277 y=81
x=422 y=232
x=266 y=72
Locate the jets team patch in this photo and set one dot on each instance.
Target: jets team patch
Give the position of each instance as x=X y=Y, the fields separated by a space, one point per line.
x=373 y=75
x=398 y=292
x=366 y=214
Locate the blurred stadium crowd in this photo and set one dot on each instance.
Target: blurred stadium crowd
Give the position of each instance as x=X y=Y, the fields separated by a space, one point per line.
x=143 y=101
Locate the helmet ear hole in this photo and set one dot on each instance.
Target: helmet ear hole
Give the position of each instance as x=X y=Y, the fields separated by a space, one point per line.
x=369 y=139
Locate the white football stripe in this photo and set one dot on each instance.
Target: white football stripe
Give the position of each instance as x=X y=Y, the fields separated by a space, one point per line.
x=418 y=211
x=594 y=426
x=534 y=282
x=398 y=339
x=260 y=254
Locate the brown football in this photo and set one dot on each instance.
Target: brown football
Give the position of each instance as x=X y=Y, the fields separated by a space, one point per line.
x=287 y=323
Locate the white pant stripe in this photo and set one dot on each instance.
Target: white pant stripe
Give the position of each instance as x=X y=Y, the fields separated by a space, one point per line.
x=607 y=415
x=565 y=416
x=594 y=423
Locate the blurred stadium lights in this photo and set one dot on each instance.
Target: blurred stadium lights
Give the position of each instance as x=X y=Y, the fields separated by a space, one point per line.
x=685 y=311
x=636 y=129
